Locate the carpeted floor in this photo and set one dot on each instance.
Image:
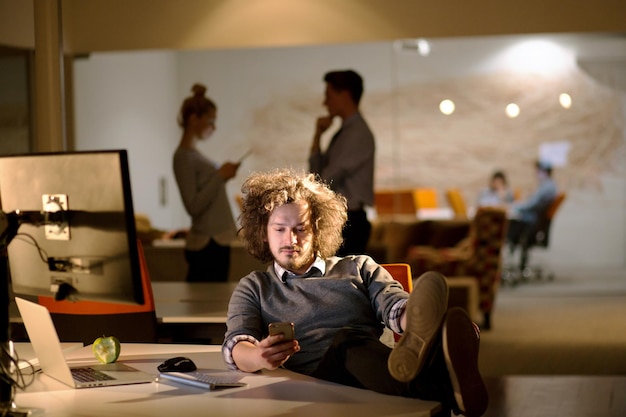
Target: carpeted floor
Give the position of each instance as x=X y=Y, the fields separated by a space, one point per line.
x=575 y=324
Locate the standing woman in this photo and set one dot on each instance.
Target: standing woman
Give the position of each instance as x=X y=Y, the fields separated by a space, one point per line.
x=202 y=186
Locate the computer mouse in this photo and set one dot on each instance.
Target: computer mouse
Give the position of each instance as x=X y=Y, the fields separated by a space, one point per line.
x=177 y=364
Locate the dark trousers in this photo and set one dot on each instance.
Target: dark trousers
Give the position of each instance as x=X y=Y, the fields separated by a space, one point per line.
x=517 y=231
x=518 y=234
x=210 y=264
x=356 y=233
x=359 y=360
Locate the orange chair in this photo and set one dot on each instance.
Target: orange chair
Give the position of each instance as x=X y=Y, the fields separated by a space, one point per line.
x=239 y=201
x=558 y=200
x=457 y=203
x=425 y=198
x=391 y=202
x=84 y=321
x=401 y=273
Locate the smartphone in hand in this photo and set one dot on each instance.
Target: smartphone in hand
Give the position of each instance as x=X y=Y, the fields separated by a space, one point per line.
x=285 y=328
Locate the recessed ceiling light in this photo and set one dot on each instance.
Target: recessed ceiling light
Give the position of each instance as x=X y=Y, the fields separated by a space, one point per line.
x=512 y=110
x=447 y=107
x=565 y=100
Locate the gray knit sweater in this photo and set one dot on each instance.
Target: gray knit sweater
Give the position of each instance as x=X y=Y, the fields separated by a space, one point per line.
x=354 y=292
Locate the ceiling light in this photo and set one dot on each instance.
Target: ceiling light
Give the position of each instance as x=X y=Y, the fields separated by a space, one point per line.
x=537 y=56
x=565 y=100
x=446 y=107
x=512 y=110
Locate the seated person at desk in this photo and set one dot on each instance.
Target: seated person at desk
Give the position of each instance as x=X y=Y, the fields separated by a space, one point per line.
x=497 y=194
x=524 y=215
x=340 y=305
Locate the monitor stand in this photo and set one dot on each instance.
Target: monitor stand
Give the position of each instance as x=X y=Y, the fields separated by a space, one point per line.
x=7 y=406
x=8 y=230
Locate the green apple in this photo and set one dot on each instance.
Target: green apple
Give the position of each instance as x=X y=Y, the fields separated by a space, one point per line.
x=107 y=349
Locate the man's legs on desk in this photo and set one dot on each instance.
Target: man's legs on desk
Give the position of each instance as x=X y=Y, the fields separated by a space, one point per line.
x=447 y=358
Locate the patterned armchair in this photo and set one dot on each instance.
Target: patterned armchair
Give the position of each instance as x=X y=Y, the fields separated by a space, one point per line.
x=478 y=255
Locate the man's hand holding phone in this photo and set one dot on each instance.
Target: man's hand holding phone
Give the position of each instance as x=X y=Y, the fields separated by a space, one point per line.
x=278 y=347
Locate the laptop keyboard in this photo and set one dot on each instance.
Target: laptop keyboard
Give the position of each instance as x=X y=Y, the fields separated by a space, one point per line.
x=89 y=375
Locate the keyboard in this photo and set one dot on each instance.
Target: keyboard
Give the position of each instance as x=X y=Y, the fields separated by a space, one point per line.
x=89 y=375
x=205 y=380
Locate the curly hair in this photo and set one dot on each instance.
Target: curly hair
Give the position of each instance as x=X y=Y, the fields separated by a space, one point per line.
x=265 y=191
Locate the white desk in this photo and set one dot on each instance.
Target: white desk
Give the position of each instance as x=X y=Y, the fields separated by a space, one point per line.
x=272 y=393
x=26 y=352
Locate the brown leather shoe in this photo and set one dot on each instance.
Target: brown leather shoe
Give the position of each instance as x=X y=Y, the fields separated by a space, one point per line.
x=424 y=314
x=460 y=349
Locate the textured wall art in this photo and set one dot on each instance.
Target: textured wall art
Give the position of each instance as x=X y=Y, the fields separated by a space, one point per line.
x=417 y=145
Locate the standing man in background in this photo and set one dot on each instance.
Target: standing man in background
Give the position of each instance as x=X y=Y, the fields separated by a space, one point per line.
x=347 y=165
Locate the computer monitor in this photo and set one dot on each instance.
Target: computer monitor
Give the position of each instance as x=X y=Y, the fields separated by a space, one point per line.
x=87 y=250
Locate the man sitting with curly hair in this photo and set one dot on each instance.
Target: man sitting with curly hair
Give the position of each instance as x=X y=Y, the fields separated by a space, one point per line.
x=340 y=305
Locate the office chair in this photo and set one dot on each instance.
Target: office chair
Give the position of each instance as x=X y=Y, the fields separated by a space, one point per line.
x=239 y=201
x=401 y=273
x=425 y=198
x=394 y=202
x=477 y=256
x=539 y=237
x=457 y=203
x=84 y=321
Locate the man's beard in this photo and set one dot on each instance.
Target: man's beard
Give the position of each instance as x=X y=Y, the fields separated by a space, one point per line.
x=299 y=261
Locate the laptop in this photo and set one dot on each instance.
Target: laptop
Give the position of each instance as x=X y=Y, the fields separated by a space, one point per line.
x=45 y=342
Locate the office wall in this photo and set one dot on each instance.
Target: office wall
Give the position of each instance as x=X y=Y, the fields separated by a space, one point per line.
x=129 y=101
x=268 y=100
x=14 y=105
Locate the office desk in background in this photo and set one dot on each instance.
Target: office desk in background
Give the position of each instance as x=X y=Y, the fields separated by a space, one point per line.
x=197 y=302
x=180 y=302
x=166 y=261
x=268 y=393
x=192 y=312
x=186 y=312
